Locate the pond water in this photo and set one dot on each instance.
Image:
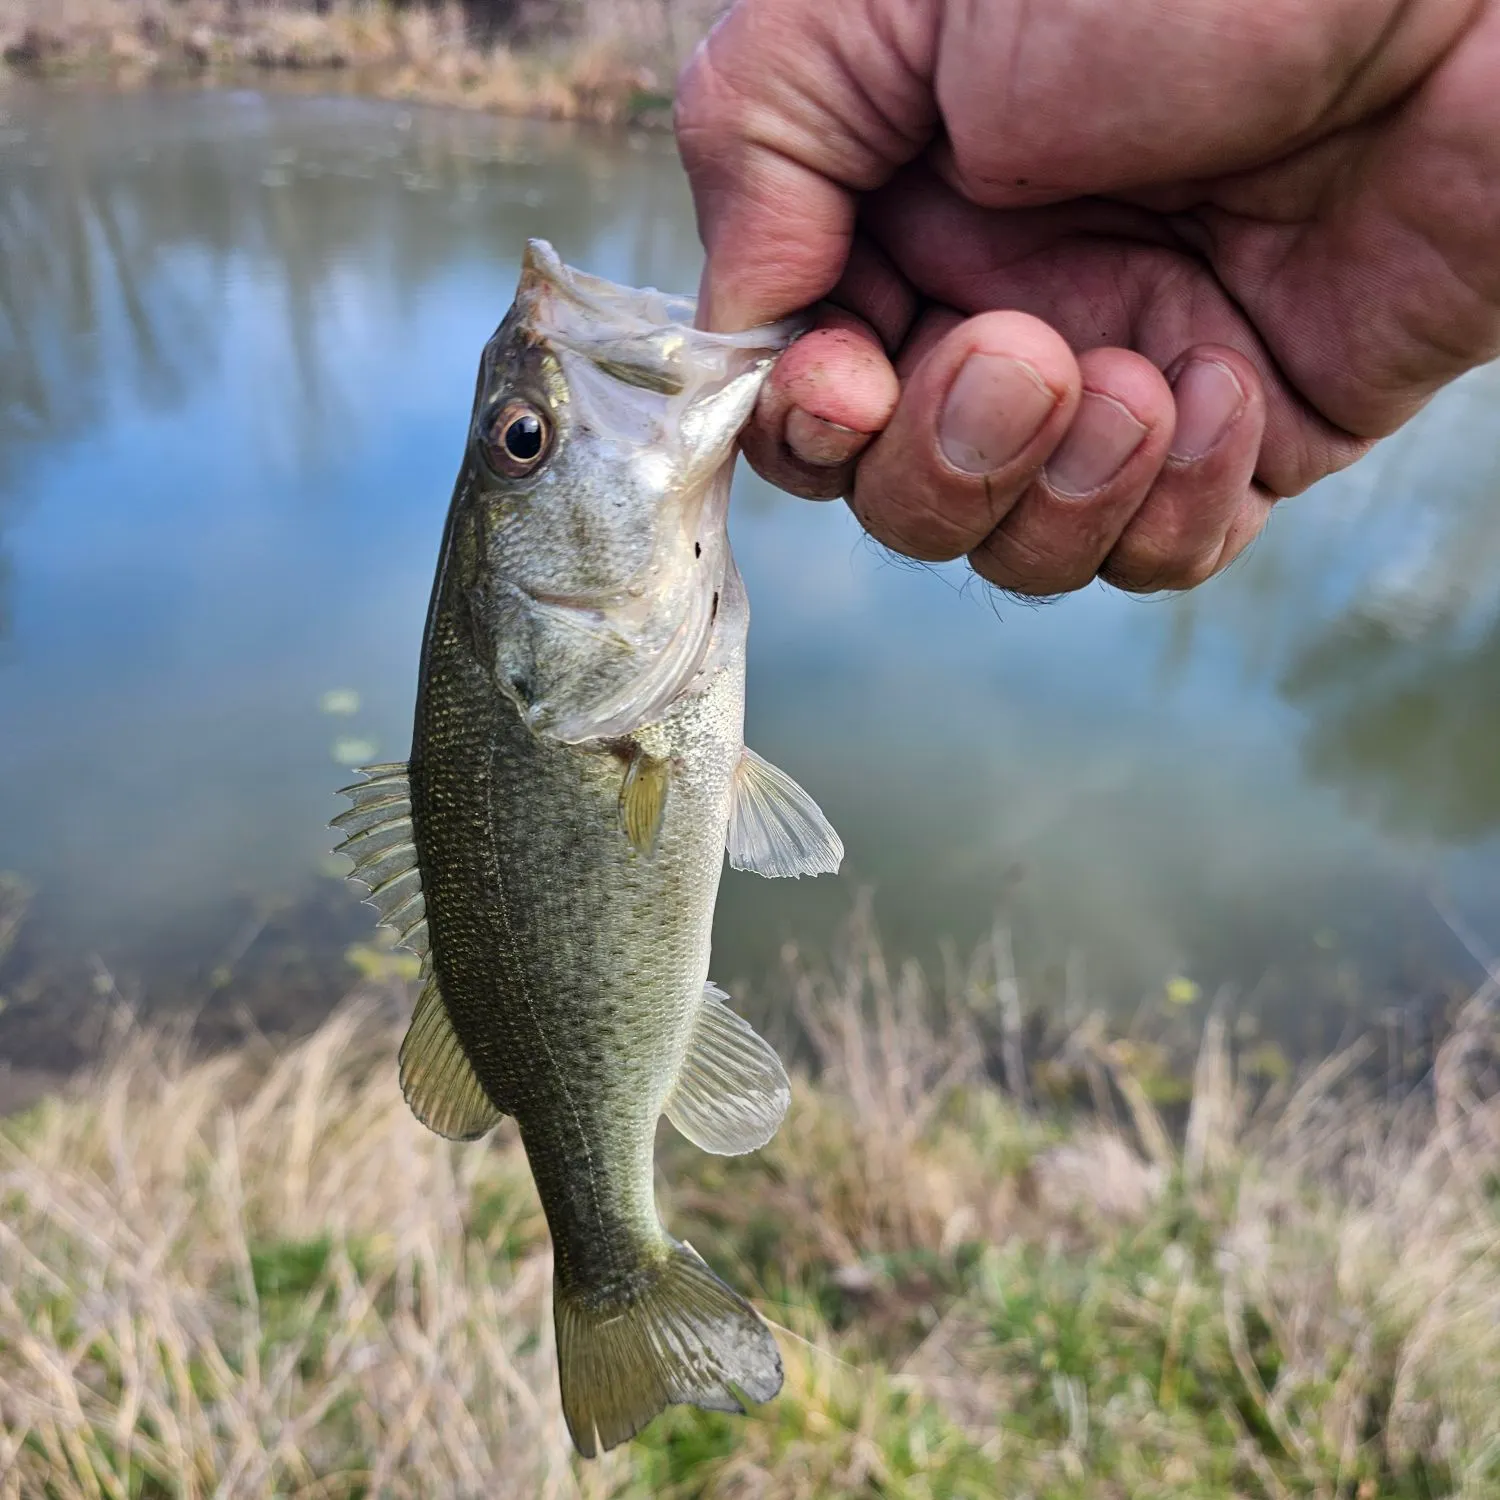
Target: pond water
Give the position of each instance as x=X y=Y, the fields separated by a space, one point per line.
x=238 y=335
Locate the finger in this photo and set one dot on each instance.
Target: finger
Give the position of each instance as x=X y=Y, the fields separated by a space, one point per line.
x=1249 y=521
x=1226 y=86
x=1177 y=538
x=874 y=290
x=779 y=125
x=1059 y=532
x=984 y=403
x=826 y=398
x=1074 y=268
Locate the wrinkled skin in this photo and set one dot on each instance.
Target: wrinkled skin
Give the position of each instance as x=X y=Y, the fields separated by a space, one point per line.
x=1107 y=280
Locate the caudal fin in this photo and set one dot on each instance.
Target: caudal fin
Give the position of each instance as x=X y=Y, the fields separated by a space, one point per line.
x=677 y=1335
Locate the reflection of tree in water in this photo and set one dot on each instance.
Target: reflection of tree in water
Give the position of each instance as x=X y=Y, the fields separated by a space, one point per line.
x=128 y=225
x=1379 y=620
x=1407 y=725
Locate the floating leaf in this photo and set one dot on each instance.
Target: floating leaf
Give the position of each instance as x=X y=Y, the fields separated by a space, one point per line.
x=350 y=750
x=1182 y=991
x=1266 y=1061
x=339 y=701
x=372 y=963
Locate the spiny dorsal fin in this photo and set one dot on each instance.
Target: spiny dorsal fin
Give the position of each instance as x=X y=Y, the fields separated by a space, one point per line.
x=378 y=838
x=437 y=1078
x=643 y=799
x=668 y=1331
x=732 y=1092
x=775 y=828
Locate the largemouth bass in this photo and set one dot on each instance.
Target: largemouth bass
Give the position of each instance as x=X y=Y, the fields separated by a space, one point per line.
x=554 y=846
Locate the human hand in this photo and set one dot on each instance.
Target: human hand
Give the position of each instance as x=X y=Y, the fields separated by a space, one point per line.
x=1103 y=281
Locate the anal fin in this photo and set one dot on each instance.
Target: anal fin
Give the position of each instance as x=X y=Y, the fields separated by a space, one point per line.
x=437 y=1078
x=732 y=1093
x=775 y=828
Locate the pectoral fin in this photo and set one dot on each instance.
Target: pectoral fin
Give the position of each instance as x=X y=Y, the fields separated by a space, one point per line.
x=732 y=1092
x=643 y=799
x=775 y=828
x=437 y=1078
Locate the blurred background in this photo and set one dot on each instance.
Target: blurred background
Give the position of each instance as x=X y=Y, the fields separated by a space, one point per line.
x=238 y=334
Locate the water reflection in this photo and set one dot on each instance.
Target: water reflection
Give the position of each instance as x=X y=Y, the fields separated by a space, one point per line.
x=129 y=224
x=237 y=342
x=1390 y=650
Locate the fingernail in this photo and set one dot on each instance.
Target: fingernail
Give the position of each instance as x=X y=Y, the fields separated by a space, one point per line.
x=823 y=444
x=994 y=408
x=1209 y=398
x=1103 y=436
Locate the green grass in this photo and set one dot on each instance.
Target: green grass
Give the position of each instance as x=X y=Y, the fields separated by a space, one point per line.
x=218 y=1279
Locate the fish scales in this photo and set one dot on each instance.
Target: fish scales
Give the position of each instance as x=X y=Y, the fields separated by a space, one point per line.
x=553 y=846
x=550 y=982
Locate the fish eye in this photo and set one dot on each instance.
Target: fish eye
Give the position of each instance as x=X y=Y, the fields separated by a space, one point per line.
x=516 y=439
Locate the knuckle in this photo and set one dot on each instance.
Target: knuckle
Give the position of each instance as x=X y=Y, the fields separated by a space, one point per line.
x=908 y=522
x=708 y=115
x=1141 y=568
x=768 y=455
x=1022 y=566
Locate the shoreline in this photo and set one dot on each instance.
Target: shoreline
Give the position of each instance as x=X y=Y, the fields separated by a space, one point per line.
x=973 y=1295
x=608 y=73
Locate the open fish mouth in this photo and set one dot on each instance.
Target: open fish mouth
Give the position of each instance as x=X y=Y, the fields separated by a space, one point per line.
x=623 y=548
x=641 y=336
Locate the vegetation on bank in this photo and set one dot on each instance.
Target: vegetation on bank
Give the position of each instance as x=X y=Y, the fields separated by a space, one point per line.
x=257 y=1275
x=608 y=61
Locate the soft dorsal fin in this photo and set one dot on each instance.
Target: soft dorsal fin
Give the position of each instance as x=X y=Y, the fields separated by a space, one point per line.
x=378 y=838
x=775 y=828
x=437 y=1079
x=732 y=1092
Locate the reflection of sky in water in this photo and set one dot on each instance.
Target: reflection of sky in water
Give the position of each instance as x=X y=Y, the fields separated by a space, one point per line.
x=232 y=408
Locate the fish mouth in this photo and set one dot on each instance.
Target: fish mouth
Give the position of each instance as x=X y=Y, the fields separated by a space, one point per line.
x=641 y=336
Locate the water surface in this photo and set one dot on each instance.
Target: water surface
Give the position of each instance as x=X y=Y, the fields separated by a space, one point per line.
x=238 y=335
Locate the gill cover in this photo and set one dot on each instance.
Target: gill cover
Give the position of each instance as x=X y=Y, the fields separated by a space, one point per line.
x=592 y=581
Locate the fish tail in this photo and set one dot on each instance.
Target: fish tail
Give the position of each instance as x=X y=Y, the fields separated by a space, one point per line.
x=674 y=1334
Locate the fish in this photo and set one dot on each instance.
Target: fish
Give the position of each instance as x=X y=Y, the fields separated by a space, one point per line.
x=553 y=847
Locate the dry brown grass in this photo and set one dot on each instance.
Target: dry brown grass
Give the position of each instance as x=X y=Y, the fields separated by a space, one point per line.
x=607 y=61
x=256 y=1276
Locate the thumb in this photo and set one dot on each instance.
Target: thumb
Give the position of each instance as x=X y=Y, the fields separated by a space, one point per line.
x=780 y=123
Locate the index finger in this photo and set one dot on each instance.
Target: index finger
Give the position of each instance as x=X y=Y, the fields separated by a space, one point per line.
x=779 y=131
